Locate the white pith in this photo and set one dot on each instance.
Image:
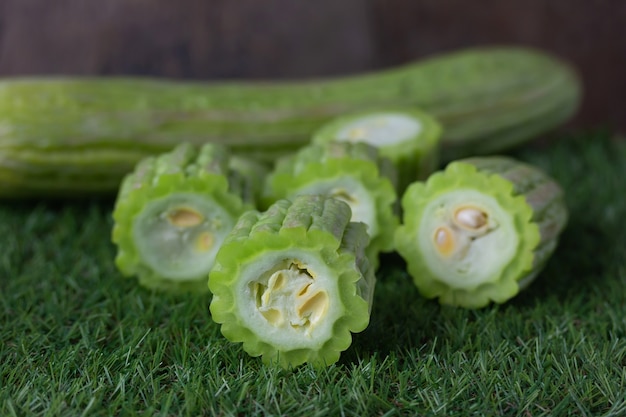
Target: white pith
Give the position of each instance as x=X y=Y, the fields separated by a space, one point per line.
x=478 y=257
x=176 y=252
x=294 y=331
x=380 y=129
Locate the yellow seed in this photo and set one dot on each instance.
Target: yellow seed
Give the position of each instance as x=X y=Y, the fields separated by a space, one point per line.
x=357 y=133
x=276 y=281
x=258 y=290
x=185 y=217
x=273 y=316
x=304 y=289
x=204 y=242
x=314 y=307
x=470 y=218
x=302 y=268
x=343 y=195
x=444 y=241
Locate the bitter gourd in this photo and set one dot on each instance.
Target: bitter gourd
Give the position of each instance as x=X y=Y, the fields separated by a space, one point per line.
x=174 y=210
x=293 y=283
x=408 y=137
x=481 y=230
x=352 y=172
x=71 y=137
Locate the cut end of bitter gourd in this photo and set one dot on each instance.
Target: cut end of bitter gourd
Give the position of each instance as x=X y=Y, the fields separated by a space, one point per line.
x=172 y=214
x=354 y=173
x=293 y=283
x=408 y=137
x=469 y=235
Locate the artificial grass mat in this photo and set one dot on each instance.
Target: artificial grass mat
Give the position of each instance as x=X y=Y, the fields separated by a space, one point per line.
x=79 y=339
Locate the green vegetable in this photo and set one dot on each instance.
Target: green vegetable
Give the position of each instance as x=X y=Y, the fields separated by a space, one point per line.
x=352 y=172
x=173 y=212
x=70 y=137
x=292 y=283
x=408 y=137
x=481 y=230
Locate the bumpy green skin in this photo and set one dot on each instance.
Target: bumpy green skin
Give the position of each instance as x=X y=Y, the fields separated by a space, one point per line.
x=159 y=249
x=70 y=137
x=415 y=158
x=316 y=233
x=321 y=168
x=532 y=201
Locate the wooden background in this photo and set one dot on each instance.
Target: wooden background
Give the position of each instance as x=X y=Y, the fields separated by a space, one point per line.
x=217 y=39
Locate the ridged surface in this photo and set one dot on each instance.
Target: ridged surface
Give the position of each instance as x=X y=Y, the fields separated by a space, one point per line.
x=532 y=205
x=188 y=178
x=316 y=234
x=69 y=137
x=542 y=194
x=415 y=157
x=324 y=167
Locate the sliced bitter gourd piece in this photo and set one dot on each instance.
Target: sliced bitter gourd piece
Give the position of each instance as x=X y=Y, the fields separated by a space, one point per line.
x=293 y=283
x=352 y=172
x=173 y=212
x=481 y=230
x=409 y=137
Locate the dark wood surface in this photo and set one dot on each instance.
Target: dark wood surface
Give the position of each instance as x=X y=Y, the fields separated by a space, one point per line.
x=217 y=39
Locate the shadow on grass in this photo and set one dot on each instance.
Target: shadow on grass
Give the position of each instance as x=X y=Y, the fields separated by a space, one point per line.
x=401 y=318
x=583 y=267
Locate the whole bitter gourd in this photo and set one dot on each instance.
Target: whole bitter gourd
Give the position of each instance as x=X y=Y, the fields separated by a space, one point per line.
x=71 y=137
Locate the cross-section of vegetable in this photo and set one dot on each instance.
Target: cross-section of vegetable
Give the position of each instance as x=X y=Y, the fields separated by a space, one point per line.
x=352 y=172
x=292 y=283
x=481 y=230
x=173 y=212
x=408 y=137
